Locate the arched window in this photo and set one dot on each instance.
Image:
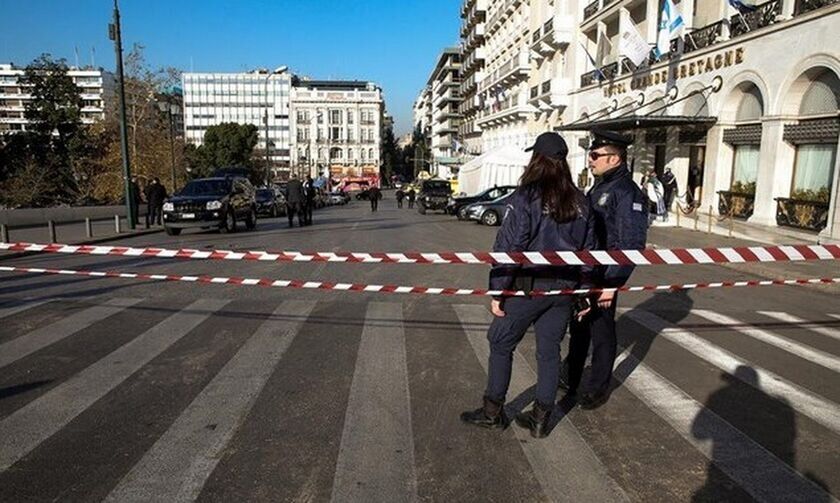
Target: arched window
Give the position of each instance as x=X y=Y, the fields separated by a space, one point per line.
x=370 y=154
x=349 y=154
x=335 y=153
x=751 y=107
x=322 y=153
x=363 y=154
x=822 y=95
x=697 y=106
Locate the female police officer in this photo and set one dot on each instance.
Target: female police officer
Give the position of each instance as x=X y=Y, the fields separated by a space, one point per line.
x=546 y=213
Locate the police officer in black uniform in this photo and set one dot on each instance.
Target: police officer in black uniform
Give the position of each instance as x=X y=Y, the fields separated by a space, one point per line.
x=546 y=213
x=621 y=221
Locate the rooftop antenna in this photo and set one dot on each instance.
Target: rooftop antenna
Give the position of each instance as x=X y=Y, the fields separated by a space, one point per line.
x=92 y=56
x=76 y=53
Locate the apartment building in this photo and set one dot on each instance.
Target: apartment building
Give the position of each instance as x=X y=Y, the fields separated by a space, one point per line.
x=337 y=128
x=423 y=112
x=260 y=97
x=473 y=30
x=445 y=96
x=96 y=85
x=743 y=109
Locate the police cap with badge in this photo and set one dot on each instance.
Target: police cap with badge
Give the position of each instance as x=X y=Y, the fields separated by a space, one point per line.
x=601 y=138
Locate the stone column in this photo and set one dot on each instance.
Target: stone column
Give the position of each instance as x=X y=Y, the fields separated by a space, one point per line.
x=788 y=6
x=652 y=17
x=831 y=232
x=676 y=157
x=717 y=172
x=775 y=171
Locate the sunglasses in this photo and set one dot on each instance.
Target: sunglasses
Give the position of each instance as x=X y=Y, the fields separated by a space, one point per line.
x=597 y=155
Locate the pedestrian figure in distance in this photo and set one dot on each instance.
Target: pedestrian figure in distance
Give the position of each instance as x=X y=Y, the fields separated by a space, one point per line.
x=411 y=197
x=294 y=201
x=399 y=195
x=155 y=195
x=547 y=212
x=621 y=216
x=308 y=201
x=136 y=196
x=669 y=181
x=374 y=194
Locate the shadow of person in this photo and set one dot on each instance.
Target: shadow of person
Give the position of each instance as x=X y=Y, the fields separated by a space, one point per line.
x=672 y=306
x=767 y=420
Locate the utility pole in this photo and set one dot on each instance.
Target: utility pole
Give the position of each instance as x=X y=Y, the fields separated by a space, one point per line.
x=115 y=35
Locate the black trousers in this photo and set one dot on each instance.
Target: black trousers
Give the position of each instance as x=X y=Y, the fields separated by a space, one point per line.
x=291 y=209
x=374 y=204
x=307 y=212
x=597 y=329
x=154 y=214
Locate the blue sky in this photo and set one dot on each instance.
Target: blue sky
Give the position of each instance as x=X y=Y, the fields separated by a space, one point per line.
x=392 y=42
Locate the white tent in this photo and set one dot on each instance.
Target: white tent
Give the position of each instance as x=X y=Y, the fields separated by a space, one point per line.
x=500 y=166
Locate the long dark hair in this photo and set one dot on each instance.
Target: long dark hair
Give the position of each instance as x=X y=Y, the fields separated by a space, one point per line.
x=552 y=179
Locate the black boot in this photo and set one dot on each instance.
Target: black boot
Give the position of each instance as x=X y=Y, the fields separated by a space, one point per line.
x=535 y=420
x=593 y=400
x=490 y=415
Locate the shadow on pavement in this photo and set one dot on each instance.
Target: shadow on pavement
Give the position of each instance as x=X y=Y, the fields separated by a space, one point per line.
x=17 y=389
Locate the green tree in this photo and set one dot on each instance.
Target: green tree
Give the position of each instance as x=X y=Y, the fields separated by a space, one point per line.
x=389 y=155
x=226 y=145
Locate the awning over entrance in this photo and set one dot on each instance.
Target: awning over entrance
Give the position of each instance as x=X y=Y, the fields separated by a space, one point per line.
x=640 y=122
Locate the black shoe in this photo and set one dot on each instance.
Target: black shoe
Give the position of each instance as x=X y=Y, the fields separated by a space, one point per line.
x=590 y=401
x=491 y=415
x=535 y=420
x=563 y=383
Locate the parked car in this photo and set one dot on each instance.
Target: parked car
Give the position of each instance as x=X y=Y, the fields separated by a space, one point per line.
x=457 y=205
x=270 y=203
x=488 y=212
x=219 y=202
x=433 y=195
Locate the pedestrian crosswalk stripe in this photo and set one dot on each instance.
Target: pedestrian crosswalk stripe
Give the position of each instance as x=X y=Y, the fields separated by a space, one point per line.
x=376 y=457
x=38 y=339
x=549 y=458
x=821 y=410
x=822 y=358
x=789 y=318
x=26 y=428
x=18 y=307
x=750 y=465
x=179 y=463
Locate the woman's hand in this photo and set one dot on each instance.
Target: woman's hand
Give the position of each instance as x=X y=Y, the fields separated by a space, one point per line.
x=496 y=308
x=605 y=299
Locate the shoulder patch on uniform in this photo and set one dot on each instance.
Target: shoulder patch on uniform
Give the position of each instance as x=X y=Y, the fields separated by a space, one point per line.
x=603 y=199
x=637 y=207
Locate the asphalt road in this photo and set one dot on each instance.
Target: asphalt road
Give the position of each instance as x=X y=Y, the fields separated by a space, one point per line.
x=145 y=391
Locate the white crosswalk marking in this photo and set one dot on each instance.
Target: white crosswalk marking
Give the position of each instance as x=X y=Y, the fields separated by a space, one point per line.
x=827 y=360
x=756 y=470
x=38 y=339
x=810 y=404
x=376 y=457
x=18 y=307
x=177 y=466
x=584 y=480
x=29 y=426
x=789 y=318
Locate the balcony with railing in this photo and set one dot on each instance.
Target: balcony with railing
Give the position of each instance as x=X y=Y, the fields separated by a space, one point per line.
x=512 y=70
x=508 y=109
x=503 y=12
x=763 y=15
x=591 y=9
x=474 y=37
x=703 y=37
x=806 y=6
x=550 y=94
x=553 y=34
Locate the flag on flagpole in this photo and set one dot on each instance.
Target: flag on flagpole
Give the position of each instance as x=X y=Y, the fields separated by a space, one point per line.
x=670 y=22
x=742 y=6
x=632 y=45
x=601 y=75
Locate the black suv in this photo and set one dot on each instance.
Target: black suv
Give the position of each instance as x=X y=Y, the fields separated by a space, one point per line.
x=433 y=195
x=458 y=205
x=218 y=202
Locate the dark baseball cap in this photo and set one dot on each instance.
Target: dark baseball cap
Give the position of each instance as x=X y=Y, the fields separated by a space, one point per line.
x=550 y=144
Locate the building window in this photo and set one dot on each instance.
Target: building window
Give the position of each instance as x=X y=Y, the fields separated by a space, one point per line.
x=351 y=135
x=335 y=153
x=349 y=154
x=363 y=154
x=335 y=133
x=370 y=154
x=320 y=116
x=813 y=171
x=335 y=116
x=745 y=168
x=350 y=117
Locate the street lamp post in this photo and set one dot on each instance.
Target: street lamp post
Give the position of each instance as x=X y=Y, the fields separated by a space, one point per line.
x=167 y=106
x=115 y=35
x=277 y=71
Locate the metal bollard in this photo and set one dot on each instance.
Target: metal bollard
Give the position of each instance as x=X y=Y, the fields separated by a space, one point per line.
x=51 y=228
x=679 y=210
x=117 y=224
x=696 y=218
x=4 y=233
x=709 y=231
x=88 y=228
x=731 y=223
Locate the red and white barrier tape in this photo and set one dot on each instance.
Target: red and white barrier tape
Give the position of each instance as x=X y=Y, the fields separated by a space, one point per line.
x=595 y=257
x=355 y=287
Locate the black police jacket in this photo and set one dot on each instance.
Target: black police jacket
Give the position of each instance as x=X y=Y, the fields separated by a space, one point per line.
x=527 y=227
x=621 y=221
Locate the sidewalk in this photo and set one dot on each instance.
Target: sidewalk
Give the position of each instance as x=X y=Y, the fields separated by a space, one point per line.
x=740 y=229
x=75 y=233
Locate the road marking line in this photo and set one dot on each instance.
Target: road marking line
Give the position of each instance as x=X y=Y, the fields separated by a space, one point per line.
x=751 y=466
x=38 y=339
x=821 y=410
x=584 y=480
x=789 y=318
x=376 y=457
x=20 y=306
x=827 y=360
x=25 y=429
x=178 y=465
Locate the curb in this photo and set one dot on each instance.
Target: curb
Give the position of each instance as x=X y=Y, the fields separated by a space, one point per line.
x=104 y=239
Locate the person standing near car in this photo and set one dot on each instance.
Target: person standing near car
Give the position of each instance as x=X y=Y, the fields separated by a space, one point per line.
x=374 y=194
x=295 y=199
x=411 y=197
x=308 y=200
x=621 y=222
x=155 y=196
x=546 y=213
x=399 y=195
x=135 y=201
